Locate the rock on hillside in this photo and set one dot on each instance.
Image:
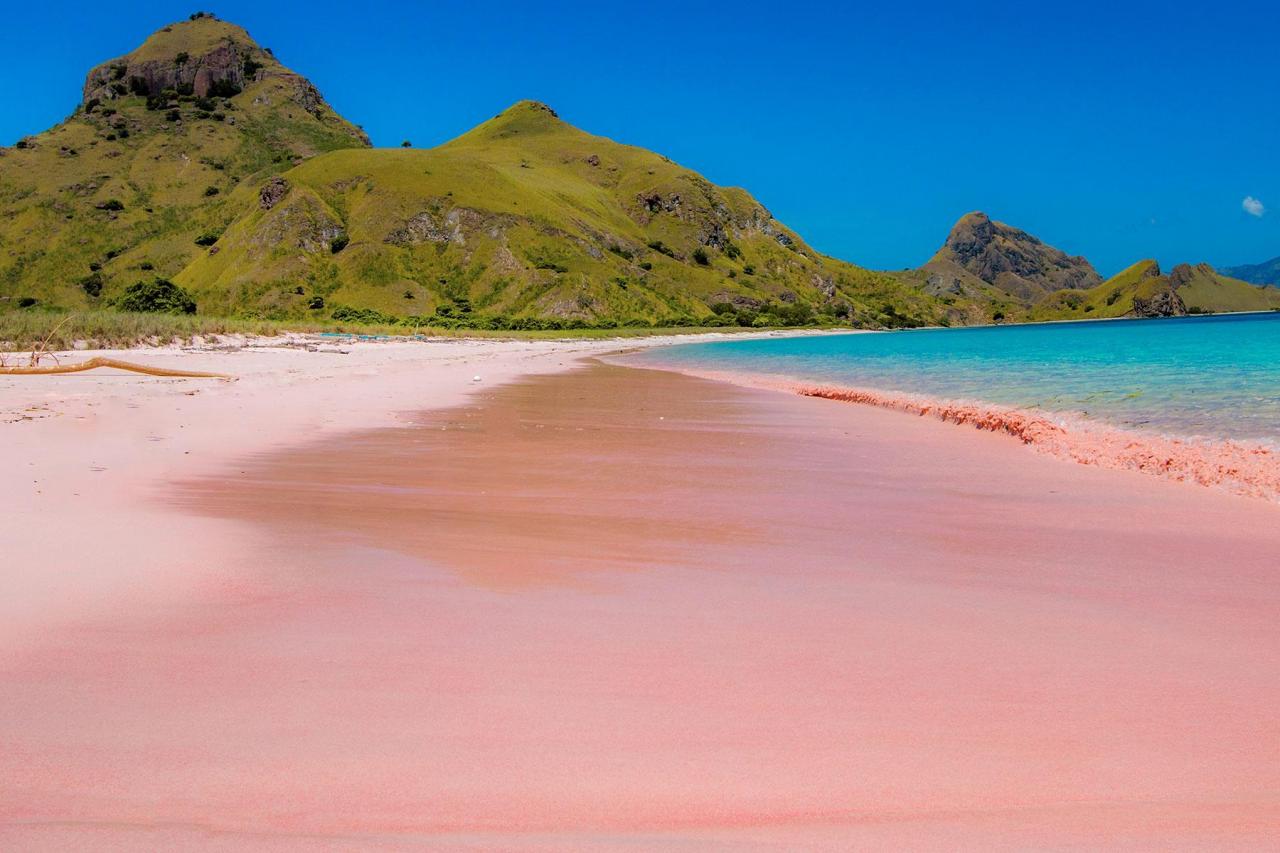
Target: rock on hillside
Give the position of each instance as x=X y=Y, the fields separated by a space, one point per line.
x=980 y=254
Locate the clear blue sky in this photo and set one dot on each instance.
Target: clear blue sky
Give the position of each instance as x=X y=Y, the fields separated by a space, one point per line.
x=1117 y=130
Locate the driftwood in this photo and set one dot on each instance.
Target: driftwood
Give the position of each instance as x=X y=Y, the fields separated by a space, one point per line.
x=94 y=363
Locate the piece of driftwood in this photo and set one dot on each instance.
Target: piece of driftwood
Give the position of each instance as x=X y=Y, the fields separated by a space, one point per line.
x=95 y=363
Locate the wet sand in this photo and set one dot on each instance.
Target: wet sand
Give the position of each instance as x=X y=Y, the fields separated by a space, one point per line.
x=621 y=609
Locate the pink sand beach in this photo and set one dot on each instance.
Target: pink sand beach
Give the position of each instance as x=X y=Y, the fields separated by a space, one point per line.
x=359 y=600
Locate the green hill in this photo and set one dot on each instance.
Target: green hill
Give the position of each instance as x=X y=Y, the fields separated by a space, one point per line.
x=150 y=160
x=1143 y=291
x=199 y=158
x=526 y=216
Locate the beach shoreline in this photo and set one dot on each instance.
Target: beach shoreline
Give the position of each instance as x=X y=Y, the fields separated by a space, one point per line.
x=1238 y=467
x=387 y=607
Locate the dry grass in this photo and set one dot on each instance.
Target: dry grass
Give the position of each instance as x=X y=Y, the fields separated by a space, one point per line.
x=46 y=332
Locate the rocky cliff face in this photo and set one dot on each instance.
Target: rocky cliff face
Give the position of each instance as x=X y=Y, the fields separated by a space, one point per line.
x=980 y=251
x=1165 y=303
x=223 y=70
x=201 y=57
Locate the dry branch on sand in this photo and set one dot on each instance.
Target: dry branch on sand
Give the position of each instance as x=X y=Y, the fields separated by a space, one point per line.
x=94 y=363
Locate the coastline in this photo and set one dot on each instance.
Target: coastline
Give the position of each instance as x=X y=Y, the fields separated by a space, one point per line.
x=1241 y=468
x=605 y=607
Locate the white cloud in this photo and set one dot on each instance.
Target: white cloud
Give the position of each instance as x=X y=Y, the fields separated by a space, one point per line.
x=1253 y=206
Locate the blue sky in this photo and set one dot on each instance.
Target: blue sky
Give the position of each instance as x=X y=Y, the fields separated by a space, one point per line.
x=1117 y=130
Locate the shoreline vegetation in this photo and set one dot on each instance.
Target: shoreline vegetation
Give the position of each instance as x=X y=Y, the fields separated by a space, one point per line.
x=59 y=331
x=90 y=330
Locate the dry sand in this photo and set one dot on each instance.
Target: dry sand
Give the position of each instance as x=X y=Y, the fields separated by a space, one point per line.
x=607 y=609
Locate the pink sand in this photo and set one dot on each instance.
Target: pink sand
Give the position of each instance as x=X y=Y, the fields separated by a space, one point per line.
x=852 y=629
x=1244 y=469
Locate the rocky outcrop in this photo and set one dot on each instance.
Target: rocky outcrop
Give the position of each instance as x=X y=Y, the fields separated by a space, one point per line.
x=271 y=193
x=1006 y=258
x=303 y=222
x=1184 y=274
x=224 y=70
x=444 y=226
x=1166 y=303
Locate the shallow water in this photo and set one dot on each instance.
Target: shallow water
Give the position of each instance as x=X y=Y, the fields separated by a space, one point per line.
x=1216 y=377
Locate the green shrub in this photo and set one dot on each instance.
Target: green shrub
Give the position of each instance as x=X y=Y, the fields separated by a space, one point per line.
x=337 y=244
x=146 y=265
x=207 y=239
x=92 y=285
x=315 y=303
x=368 y=316
x=159 y=296
x=27 y=301
x=645 y=265
x=223 y=89
x=113 y=204
x=700 y=256
x=749 y=270
x=209 y=192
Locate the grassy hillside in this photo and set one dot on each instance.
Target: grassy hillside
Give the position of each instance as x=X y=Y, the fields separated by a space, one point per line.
x=528 y=217
x=1199 y=289
x=122 y=189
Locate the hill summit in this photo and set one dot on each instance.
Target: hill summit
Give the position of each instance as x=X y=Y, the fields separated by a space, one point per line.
x=124 y=188
x=980 y=253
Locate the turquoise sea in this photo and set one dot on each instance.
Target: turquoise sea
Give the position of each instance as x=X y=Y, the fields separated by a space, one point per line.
x=1213 y=376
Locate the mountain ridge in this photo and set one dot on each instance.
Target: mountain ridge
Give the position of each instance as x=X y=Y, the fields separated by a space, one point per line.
x=1267 y=272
